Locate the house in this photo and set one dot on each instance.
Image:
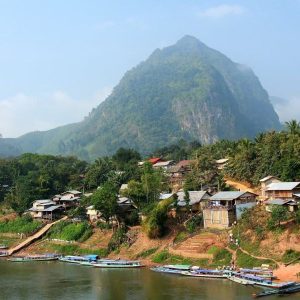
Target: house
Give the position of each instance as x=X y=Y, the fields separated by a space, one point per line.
x=265 y=182
x=126 y=205
x=198 y=200
x=45 y=209
x=178 y=173
x=165 y=165
x=92 y=213
x=291 y=205
x=68 y=199
x=221 y=163
x=282 y=190
x=225 y=208
x=152 y=160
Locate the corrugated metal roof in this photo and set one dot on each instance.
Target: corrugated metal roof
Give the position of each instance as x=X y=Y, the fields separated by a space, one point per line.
x=195 y=197
x=165 y=196
x=163 y=163
x=227 y=195
x=278 y=201
x=268 y=178
x=282 y=186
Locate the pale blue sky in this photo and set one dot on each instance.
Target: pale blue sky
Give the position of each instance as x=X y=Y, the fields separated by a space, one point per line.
x=60 y=58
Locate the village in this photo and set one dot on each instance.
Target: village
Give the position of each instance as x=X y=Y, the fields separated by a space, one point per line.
x=218 y=214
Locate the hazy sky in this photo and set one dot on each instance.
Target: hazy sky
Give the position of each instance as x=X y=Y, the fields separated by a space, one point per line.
x=60 y=58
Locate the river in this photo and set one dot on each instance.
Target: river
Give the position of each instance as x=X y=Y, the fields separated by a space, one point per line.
x=57 y=280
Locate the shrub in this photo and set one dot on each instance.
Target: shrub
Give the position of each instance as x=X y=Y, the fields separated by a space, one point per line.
x=290 y=255
x=117 y=239
x=146 y=253
x=71 y=231
x=181 y=236
x=24 y=224
x=194 y=223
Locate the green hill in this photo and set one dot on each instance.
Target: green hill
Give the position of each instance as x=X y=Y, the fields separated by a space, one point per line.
x=185 y=91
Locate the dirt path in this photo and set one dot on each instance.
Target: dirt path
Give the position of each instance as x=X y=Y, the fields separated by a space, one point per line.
x=34 y=237
x=242 y=186
x=260 y=257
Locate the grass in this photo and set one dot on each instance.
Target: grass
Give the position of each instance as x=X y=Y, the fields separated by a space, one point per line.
x=71 y=249
x=290 y=256
x=221 y=256
x=246 y=261
x=10 y=241
x=71 y=231
x=25 y=225
x=168 y=258
x=146 y=253
x=181 y=236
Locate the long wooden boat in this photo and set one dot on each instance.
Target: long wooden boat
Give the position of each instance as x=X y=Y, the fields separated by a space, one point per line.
x=249 y=279
x=172 y=269
x=33 y=258
x=3 y=247
x=265 y=273
x=111 y=263
x=4 y=253
x=281 y=291
x=206 y=273
x=78 y=259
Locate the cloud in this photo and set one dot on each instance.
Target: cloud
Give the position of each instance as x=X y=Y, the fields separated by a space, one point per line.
x=22 y=113
x=287 y=109
x=221 y=11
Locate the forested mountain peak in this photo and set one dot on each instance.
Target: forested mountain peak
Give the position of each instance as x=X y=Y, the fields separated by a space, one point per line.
x=184 y=91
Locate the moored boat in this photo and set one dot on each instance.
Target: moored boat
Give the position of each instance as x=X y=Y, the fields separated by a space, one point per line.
x=111 y=263
x=4 y=253
x=206 y=273
x=3 y=247
x=172 y=269
x=30 y=258
x=249 y=279
x=79 y=259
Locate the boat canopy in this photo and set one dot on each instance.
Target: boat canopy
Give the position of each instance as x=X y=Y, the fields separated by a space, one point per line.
x=178 y=267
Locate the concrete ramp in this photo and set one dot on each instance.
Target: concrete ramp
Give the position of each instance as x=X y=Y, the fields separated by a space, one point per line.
x=34 y=237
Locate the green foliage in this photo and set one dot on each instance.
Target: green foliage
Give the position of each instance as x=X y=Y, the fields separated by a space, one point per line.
x=117 y=239
x=279 y=214
x=146 y=253
x=155 y=223
x=164 y=257
x=68 y=231
x=290 y=255
x=247 y=261
x=222 y=257
x=32 y=176
x=105 y=200
x=181 y=236
x=194 y=223
x=24 y=224
x=76 y=250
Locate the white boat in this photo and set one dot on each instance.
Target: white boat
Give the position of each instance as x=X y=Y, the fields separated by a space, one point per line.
x=78 y=259
x=249 y=279
x=112 y=263
x=172 y=269
x=206 y=273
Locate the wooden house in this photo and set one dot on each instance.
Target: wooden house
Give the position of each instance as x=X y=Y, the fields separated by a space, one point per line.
x=45 y=209
x=282 y=190
x=68 y=199
x=224 y=208
x=178 y=173
x=291 y=205
x=264 y=182
x=197 y=200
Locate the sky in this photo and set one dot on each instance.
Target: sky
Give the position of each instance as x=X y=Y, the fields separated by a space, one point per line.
x=59 y=59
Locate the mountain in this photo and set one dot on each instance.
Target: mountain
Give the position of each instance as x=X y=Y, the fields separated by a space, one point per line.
x=185 y=91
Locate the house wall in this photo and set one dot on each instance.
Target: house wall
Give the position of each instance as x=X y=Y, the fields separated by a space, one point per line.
x=279 y=194
x=219 y=218
x=265 y=184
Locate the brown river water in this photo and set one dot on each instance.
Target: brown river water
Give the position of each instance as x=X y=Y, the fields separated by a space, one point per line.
x=57 y=280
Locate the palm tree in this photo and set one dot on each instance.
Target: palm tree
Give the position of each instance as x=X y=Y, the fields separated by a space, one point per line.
x=293 y=127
